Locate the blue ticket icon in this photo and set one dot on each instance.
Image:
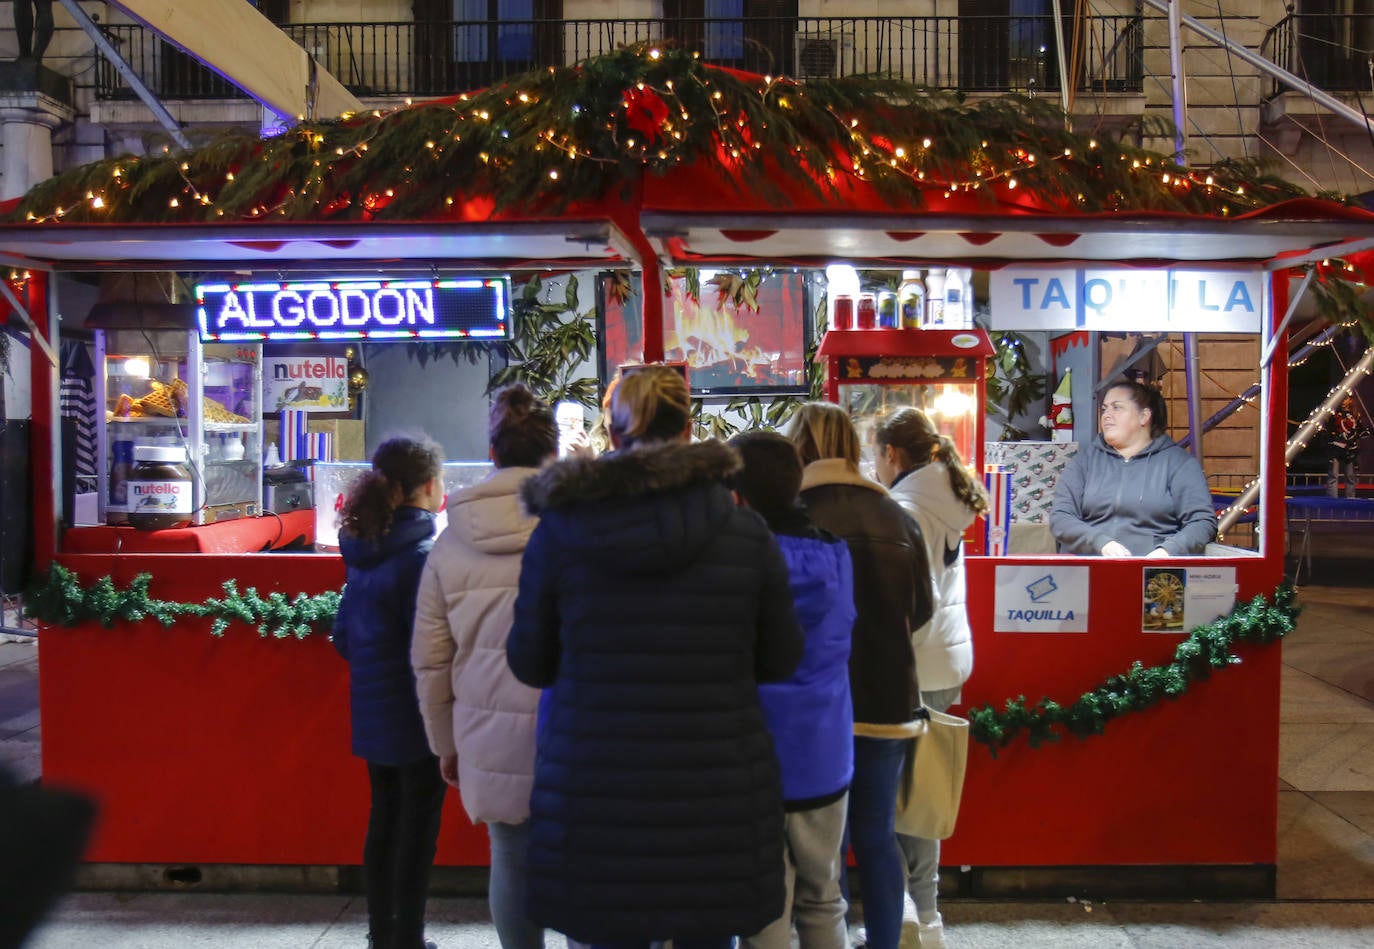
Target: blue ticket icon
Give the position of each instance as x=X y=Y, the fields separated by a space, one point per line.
x=1041 y=588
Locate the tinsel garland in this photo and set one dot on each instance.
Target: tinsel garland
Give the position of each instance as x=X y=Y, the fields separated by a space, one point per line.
x=1205 y=649
x=61 y=599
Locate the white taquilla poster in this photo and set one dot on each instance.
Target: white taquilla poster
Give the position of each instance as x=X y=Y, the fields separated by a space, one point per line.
x=1041 y=599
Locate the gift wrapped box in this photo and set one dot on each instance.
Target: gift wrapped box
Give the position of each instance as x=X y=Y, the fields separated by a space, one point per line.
x=1034 y=468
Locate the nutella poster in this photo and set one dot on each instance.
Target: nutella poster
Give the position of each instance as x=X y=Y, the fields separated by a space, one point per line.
x=305 y=383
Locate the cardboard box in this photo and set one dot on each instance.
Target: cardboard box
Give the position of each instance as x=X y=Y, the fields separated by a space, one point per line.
x=1034 y=469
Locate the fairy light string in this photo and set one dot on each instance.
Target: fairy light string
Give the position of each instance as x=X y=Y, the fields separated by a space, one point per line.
x=549 y=138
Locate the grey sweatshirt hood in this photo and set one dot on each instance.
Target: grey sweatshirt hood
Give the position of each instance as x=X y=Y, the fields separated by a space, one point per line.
x=1156 y=498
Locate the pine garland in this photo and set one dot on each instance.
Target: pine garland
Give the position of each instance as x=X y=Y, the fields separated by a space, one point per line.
x=550 y=138
x=1205 y=649
x=61 y=599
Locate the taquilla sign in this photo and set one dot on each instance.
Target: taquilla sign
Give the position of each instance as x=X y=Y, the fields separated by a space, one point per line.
x=1146 y=301
x=1041 y=599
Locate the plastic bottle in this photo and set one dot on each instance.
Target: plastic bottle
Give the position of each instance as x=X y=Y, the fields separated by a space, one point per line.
x=935 y=300
x=233 y=448
x=966 y=277
x=954 y=299
x=121 y=465
x=911 y=300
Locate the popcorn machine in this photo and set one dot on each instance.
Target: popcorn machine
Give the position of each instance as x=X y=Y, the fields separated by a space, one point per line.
x=941 y=372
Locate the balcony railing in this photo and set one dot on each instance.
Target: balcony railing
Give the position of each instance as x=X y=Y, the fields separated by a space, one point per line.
x=1329 y=50
x=995 y=54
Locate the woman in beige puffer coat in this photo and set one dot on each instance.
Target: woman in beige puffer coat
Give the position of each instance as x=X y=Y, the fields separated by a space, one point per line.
x=479 y=720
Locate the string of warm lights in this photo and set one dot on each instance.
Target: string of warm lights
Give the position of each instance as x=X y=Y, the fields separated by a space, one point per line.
x=559 y=135
x=1299 y=440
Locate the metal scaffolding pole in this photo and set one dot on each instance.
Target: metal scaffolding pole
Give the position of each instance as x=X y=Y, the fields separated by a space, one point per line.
x=1303 y=435
x=92 y=30
x=1296 y=83
x=1178 y=80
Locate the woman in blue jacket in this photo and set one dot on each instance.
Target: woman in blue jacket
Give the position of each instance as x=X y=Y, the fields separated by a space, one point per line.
x=809 y=714
x=650 y=607
x=386 y=531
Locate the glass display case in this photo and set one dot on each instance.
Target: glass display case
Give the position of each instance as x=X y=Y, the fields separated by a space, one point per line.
x=334 y=478
x=164 y=387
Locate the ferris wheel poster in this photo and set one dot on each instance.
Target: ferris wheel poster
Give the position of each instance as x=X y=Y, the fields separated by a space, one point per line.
x=1180 y=599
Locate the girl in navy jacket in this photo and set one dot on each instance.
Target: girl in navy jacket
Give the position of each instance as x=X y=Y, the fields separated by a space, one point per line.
x=386 y=531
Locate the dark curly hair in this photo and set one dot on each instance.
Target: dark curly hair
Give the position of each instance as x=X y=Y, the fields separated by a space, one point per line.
x=400 y=467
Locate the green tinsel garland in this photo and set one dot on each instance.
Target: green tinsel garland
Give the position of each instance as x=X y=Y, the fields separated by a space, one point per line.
x=61 y=599
x=1206 y=648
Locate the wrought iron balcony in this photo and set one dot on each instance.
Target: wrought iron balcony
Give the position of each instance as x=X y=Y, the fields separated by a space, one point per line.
x=994 y=54
x=1326 y=49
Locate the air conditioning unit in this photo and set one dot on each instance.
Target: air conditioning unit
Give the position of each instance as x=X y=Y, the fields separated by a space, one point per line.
x=822 y=55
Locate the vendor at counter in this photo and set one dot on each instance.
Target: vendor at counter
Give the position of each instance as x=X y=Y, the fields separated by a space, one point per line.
x=1133 y=492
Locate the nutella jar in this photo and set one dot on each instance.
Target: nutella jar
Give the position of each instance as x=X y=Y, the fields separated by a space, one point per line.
x=159 y=488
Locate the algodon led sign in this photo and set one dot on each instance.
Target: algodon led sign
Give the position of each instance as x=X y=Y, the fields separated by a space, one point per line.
x=356 y=308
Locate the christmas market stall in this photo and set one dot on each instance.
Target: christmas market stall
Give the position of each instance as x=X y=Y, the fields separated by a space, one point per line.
x=1125 y=710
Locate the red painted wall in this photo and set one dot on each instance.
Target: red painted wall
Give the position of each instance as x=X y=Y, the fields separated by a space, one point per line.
x=1191 y=781
x=205 y=750
x=236 y=750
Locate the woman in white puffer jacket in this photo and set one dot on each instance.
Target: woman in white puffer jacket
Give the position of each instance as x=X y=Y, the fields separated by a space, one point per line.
x=479 y=719
x=925 y=475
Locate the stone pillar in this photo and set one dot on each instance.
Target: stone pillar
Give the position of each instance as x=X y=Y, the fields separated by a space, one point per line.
x=26 y=123
x=34 y=100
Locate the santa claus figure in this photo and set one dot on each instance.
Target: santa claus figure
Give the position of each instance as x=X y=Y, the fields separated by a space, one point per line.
x=1060 y=418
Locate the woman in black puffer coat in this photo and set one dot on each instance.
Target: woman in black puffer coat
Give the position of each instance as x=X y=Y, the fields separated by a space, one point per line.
x=650 y=608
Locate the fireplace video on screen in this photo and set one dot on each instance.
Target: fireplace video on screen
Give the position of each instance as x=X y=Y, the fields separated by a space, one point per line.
x=730 y=347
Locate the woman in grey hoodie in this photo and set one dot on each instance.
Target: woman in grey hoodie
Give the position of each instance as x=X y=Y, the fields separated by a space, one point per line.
x=1132 y=492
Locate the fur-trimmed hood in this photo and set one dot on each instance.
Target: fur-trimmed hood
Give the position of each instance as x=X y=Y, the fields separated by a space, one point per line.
x=640 y=511
x=649 y=469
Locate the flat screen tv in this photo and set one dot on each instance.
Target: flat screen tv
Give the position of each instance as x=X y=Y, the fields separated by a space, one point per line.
x=742 y=333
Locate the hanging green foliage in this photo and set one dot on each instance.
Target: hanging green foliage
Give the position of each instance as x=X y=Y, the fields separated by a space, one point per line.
x=550 y=342
x=61 y=599
x=1013 y=385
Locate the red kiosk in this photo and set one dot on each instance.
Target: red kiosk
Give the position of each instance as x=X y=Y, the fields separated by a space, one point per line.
x=233 y=749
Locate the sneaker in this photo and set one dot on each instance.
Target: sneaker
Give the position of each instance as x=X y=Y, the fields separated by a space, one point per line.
x=932 y=934
x=858 y=937
x=910 y=938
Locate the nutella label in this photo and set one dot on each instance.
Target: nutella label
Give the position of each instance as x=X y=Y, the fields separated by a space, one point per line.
x=159 y=497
